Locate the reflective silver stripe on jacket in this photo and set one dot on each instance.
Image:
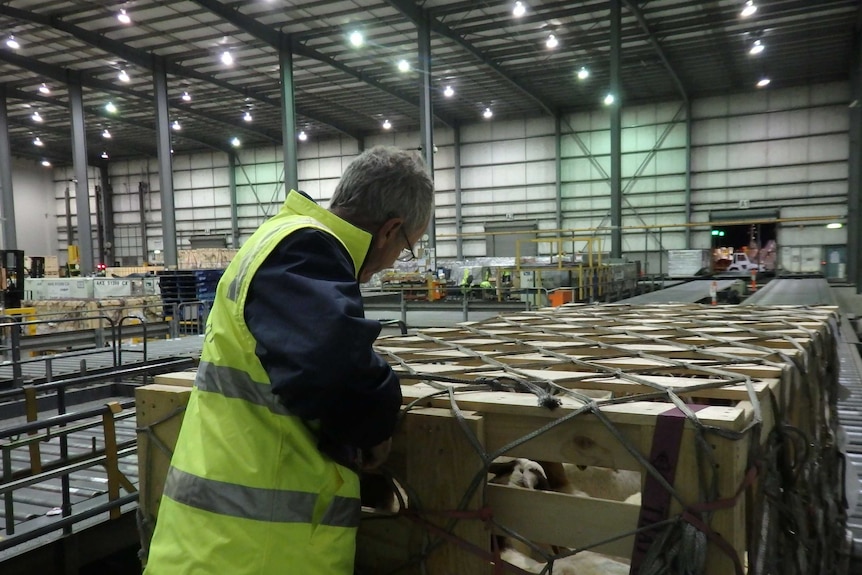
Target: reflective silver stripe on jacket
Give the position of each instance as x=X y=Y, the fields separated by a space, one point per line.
x=258 y=504
x=237 y=384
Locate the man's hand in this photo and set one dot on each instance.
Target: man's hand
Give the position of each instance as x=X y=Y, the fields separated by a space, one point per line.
x=374 y=457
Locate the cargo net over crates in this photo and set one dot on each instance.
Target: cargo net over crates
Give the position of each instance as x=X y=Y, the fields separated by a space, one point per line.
x=672 y=439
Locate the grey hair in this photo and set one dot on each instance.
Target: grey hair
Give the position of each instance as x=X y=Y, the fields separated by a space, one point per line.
x=382 y=183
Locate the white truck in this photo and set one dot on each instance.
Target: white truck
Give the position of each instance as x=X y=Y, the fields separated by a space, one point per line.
x=741 y=263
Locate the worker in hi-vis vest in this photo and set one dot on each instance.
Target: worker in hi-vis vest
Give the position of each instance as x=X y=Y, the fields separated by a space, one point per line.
x=290 y=400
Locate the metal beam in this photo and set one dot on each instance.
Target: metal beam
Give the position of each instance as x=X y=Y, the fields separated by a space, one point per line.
x=638 y=14
x=82 y=188
x=288 y=114
x=166 y=170
x=7 y=203
x=558 y=167
x=234 y=212
x=412 y=12
x=144 y=59
x=426 y=120
x=616 y=132
x=854 y=166
x=459 y=220
x=271 y=36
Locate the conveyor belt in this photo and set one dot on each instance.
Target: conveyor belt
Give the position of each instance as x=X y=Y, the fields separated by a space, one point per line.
x=801 y=291
x=688 y=292
x=850 y=417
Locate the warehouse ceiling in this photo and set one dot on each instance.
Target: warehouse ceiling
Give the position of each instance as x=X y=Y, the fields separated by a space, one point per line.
x=488 y=57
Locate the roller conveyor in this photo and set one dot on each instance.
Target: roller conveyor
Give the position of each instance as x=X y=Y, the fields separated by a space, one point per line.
x=797 y=291
x=688 y=292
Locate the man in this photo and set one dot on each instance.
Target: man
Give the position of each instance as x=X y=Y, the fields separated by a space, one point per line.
x=289 y=394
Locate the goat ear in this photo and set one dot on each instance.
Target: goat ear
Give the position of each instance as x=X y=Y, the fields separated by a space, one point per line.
x=498 y=468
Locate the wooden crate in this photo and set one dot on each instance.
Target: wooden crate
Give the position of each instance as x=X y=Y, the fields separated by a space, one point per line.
x=739 y=368
x=205 y=258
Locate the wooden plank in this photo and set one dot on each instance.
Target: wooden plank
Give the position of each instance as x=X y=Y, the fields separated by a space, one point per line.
x=182 y=378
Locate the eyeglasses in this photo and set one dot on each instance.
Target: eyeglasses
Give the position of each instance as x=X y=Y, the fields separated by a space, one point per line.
x=407 y=254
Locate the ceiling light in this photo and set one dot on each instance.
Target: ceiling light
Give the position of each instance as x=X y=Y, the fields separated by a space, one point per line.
x=176 y=126
x=235 y=142
x=47 y=164
x=749 y=9
x=609 y=99
x=487 y=114
x=387 y=124
x=404 y=65
x=124 y=76
x=104 y=155
x=763 y=82
x=13 y=43
x=356 y=39
x=37 y=117
x=123 y=17
x=835 y=226
x=38 y=142
x=519 y=10
x=448 y=92
x=552 y=42
x=186 y=97
x=302 y=136
x=247 y=116
x=106 y=134
x=226 y=58
x=583 y=73
x=44 y=88
x=757 y=48
x=110 y=108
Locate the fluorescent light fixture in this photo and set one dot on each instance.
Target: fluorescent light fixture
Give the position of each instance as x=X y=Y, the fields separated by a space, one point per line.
x=302 y=136
x=106 y=134
x=552 y=42
x=110 y=108
x=37 y=117
x=357 y=39
x=235 y=142
x=387 y=124
x=13 y=43
x=124 y=76
x=105 y=155
x=186 y=97
x=123 y=17
x=38 y=142
x=757 y=48
x=487 y=114
x=44 y=89
x=583 y=73
x=835 y=226
x=763 y=82
x=448 y=92
x=46 y=163
x=403 y=65
x=176 y=126
x=749 y=9
x=247 y=116
x=519 y=10
x=226 y=58
x=609 y=99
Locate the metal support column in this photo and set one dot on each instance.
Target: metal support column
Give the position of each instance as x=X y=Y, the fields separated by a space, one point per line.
x=426 y=114
x=234 y=212
x=288 y=113
x=82 y=188
x=7 y=205
x=459 y=241
x=687 y=174
x=854 y=181
x=166 y=169
x=558 y=167
x=107 y=220
x=616 y=134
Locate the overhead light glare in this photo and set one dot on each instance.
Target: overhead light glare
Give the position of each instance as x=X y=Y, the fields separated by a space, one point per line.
x=176 y=126
x=552 y=42
x=46 y=163
x=302 y=136
x=749 y=9
x=235 y=142
x=763 y=82
x=835 y=226
x=123 y=17
x=519 y=10
x=227 y=58
x=448 y=92
x=609 y=99
x=105 y=155
x=403 y=65
x=124 y=76
x=13 y=43
x=357 y=39
x=37 y=117
x=387 y=125
x=38 y=142
x=186 y=97
x=106 y=134
x=44 y=89
x=757 y=48
x=487 y=114
x=583 y=73
x=110 y=108
x=247 y=116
